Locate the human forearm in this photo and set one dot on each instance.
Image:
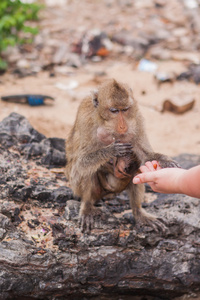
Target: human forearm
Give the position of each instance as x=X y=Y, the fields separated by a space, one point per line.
x=189 y=182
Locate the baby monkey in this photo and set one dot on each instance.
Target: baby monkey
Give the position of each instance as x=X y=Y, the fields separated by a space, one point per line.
x=104 y=150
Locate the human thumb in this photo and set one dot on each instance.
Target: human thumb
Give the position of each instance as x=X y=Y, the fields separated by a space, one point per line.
x=136 y=180
x=145 y=177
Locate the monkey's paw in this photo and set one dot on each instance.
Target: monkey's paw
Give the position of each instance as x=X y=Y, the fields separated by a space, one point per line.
x=122 y=149
x=145 y=219
x=87 y=221
x=168 y=164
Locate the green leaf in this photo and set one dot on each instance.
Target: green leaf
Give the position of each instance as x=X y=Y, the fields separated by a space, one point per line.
x=13 y=28
x=3 y=64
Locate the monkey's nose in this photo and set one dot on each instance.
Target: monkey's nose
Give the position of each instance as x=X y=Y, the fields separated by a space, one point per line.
x=122 y=129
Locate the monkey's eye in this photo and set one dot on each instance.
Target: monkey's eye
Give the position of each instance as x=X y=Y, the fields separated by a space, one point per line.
x=125 y=109
x=114 y=110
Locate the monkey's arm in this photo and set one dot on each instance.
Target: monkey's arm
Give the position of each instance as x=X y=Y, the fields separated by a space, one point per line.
x=89 y=163
x=147 y=154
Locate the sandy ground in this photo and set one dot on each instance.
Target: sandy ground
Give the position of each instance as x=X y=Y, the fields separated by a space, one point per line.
x=168 y=133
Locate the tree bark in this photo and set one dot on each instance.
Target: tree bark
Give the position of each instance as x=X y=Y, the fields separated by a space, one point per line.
x=43 y=253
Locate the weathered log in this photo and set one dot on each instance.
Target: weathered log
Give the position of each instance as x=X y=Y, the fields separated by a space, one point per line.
x=44 y=255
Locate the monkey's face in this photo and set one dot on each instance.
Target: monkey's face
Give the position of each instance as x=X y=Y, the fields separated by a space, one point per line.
x=116 y=111
x=117 y=124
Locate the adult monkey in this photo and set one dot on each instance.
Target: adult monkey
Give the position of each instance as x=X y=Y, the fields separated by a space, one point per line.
x=104 y=150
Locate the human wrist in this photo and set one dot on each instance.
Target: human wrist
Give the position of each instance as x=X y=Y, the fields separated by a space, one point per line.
x=180 y=181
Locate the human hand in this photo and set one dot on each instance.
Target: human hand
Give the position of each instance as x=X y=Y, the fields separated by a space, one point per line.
x=160 y=180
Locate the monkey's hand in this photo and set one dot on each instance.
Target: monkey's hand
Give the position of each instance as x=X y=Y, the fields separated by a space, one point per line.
x=163 y=160
x=168 y=163
x=120 y=149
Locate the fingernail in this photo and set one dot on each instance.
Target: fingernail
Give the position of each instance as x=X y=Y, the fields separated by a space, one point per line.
x=136 y=180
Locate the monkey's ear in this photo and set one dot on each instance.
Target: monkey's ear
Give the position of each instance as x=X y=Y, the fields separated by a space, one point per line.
x=95 y=97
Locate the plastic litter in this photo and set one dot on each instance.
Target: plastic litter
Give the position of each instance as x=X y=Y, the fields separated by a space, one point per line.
x=93 y=43
x=147 y=66
x=178 y=104
x=31 y=99
x=162 y=77
x=191 y=4
x=193 y=74
x=68 y=86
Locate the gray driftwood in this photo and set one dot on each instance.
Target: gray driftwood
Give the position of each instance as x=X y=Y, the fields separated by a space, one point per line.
x=43 y=254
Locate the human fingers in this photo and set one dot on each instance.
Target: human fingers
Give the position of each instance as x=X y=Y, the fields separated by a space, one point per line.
x=144 y=178
x=150 y=166
x=144 y=169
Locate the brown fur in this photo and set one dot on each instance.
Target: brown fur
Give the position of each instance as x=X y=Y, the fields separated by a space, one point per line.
x=105 y=148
